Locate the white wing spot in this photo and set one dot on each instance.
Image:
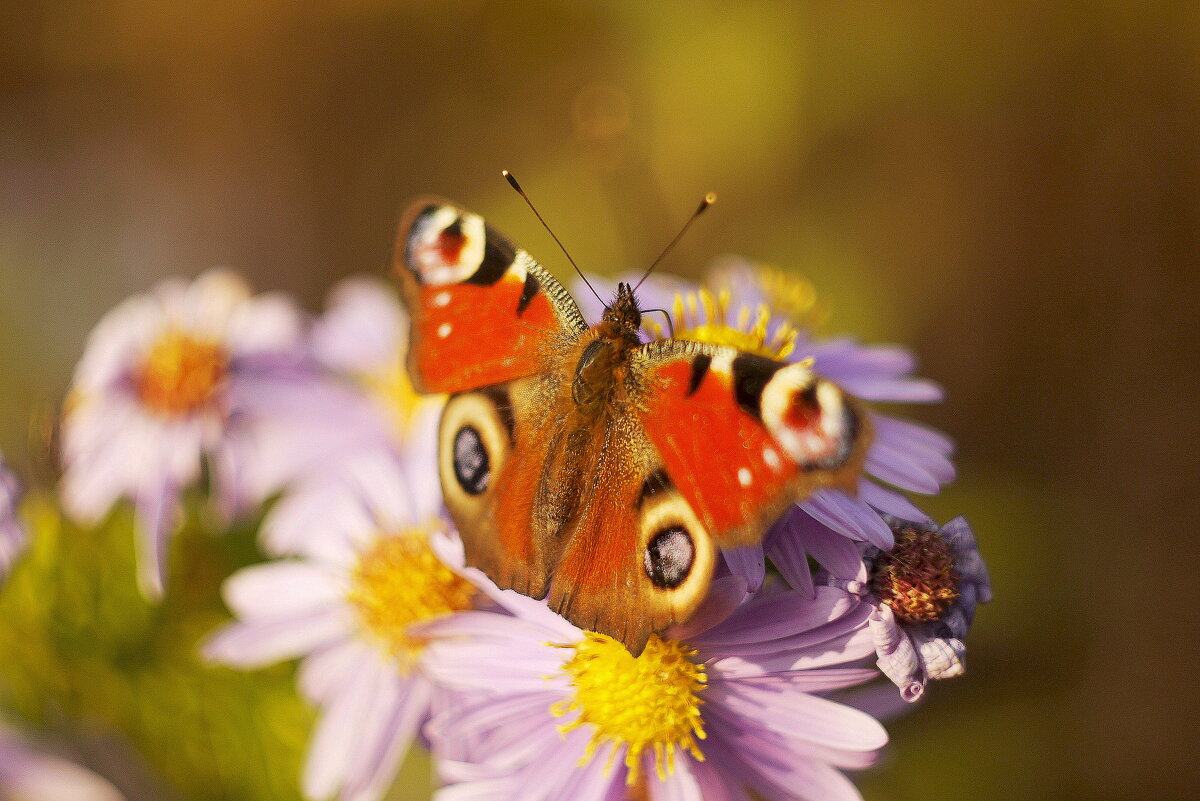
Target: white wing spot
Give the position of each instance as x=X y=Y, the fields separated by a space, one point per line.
x=444 y=330
x=441 y=299
x=744 y=477
x=771 y=457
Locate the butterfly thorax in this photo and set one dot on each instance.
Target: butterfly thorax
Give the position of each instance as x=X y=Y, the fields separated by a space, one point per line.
x=601 y=372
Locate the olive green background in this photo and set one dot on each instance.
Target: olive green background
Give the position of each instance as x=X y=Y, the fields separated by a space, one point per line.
x=1009 y=188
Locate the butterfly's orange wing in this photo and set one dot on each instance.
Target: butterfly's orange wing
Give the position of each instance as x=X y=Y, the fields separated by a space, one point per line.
x=743 y=436
x=482 y=311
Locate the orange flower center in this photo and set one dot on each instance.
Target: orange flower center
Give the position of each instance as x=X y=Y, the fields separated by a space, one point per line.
x=180 y=374
x=916 y=578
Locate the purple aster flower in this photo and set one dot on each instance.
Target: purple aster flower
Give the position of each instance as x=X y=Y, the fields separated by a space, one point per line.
x=924 y=591
x=157 y=390
x=28 y=773
x=354 y=398
x=13 y=538
x=731 y=703
x=766 y=311
x=374 y=558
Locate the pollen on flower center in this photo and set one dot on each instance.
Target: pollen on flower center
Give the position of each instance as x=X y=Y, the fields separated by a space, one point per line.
x=649 y=701
x=916 y=578
x=180 y=373
x=400 y=581
x=748 y=330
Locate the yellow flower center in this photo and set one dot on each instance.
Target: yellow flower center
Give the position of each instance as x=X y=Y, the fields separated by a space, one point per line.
x=400 y=581
x=916 y=578
x=747 y=330
x=649 y=701
x=789 y=296
x=180 y=373
x=707 y=315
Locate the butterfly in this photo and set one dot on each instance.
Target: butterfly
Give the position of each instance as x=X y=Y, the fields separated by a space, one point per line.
x=583 y=465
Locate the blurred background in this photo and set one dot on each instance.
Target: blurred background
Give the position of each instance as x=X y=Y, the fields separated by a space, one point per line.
x=1011 y=189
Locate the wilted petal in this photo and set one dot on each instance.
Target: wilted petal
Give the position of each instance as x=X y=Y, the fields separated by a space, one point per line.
x=942 y=657
x=898 y=658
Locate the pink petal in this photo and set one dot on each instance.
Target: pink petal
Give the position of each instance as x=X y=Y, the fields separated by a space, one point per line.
x=835 y=553
x=834 y=644
x=724 y=595
x=267 y=323
x=894 y=390
x=818 y=680
x=910 y=470
x=681 y=784
x=280 y=589
x=775 y=618
x=157 y=513
x=493 y=664
x=338 y=735
x=911 y=434
x=850 y=517
x=385 y=744
x=889 y=502
x=786 y=550
x=325 y=670
x=801 y=716
x=748 y=563
x=252 y=644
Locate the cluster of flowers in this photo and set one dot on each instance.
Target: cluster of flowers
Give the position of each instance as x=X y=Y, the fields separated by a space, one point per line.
x=772 y=689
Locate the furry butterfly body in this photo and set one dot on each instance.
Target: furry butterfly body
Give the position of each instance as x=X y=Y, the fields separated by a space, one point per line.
x=585 y=466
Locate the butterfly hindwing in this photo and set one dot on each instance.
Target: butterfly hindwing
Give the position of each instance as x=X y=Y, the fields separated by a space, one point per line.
x=743 y=436
x=635 y=558
x=493 y=444
x=482 y=311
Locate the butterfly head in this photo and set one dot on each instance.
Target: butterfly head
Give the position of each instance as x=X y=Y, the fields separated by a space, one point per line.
x=623 y=312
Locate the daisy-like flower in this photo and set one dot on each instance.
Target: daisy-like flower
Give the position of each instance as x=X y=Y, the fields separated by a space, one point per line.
x=157 y=390
x=374 y=559
x=13 y=538
x=355 y=398
x=731 y=704
x=924 y=591
x=768 y=312
x=30 y=774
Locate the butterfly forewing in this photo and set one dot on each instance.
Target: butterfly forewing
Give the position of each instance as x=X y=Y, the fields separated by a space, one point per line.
x=482 y=311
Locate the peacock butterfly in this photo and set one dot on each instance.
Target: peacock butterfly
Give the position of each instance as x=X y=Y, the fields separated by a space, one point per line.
x=582 y=464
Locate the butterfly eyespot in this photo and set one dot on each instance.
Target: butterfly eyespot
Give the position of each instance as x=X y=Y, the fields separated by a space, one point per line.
x=669 y=557
x=472 y=468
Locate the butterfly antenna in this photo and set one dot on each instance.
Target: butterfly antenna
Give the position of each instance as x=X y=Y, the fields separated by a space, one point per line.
x=512 y=181
x=705 y=202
